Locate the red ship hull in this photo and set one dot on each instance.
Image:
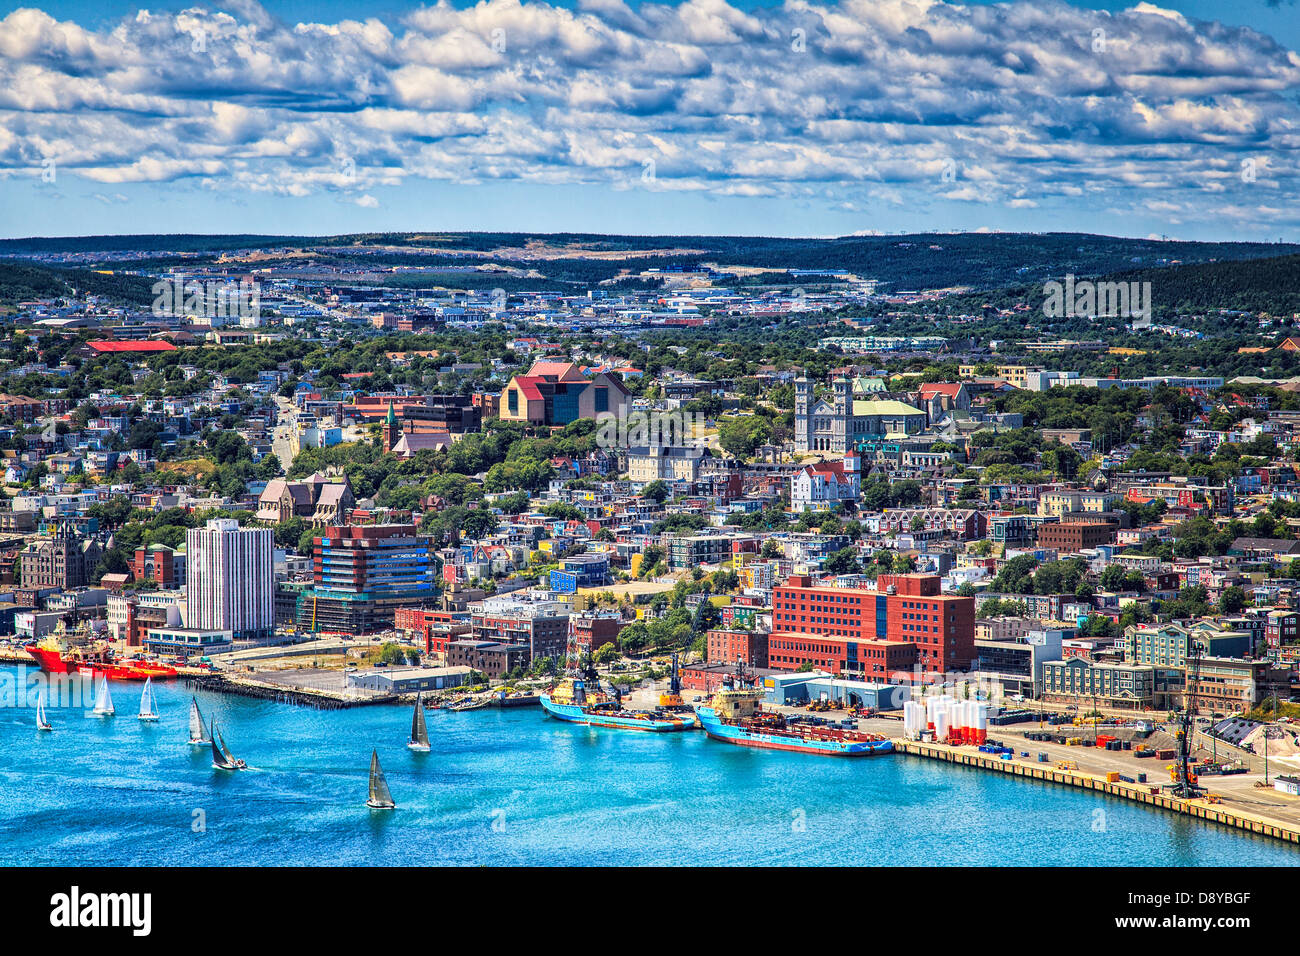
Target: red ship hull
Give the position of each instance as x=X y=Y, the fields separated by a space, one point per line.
x=53 y=662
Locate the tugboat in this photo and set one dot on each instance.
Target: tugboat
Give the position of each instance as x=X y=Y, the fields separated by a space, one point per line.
x=569 y=700
x=78 y=654
x=735 y=716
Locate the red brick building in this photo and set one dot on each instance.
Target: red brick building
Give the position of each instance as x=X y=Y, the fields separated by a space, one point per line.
x=159 y=563
x=1072 y=536
x=592 y=630
x=731 y=647
x=855 y=630
x=431 y=628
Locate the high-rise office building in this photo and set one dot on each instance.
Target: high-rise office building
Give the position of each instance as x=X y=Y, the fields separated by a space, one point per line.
x=362 y=574
x=231 y=580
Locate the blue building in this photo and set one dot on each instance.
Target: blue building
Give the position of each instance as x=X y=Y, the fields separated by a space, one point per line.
x=580 y=571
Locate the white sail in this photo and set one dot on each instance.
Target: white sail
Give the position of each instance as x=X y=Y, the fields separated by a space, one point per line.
x=380 y=797
x=198 y=729
x=148 y=710
x=103 y=700
x=41 y=722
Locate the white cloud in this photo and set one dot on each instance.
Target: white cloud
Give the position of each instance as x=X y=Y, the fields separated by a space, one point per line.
x=877 y=99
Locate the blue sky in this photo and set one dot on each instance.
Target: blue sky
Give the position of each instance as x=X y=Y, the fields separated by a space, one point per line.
x=807 y=118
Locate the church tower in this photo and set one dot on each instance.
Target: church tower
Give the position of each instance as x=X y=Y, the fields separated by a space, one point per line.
x=392 y=430
x=842 y=424
x=802 y=418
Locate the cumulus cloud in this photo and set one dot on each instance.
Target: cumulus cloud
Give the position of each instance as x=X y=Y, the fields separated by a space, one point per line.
x=896 y=102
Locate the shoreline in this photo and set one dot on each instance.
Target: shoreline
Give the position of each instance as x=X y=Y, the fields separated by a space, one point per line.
x=1199 y=808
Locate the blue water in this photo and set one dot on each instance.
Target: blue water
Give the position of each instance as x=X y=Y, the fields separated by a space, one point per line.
x=511 y=787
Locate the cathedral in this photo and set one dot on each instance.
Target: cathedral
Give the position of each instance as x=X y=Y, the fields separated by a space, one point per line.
x=844 y=422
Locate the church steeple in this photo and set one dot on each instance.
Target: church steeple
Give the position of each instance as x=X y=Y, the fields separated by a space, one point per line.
x=390 y=428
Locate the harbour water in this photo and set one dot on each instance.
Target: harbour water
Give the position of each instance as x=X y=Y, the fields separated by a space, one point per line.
x=513 y=788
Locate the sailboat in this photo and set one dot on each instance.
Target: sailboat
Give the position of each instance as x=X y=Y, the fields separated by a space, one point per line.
x=41 y=722
x=148 y=708
x=222 y=759
x=419 y=732
x=103 y=700
x=380 y=798
x=198 y=729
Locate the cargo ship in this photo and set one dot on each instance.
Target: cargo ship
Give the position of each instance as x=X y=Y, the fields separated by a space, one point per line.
x=735 y=716
x=57 y=655
x=569 y=700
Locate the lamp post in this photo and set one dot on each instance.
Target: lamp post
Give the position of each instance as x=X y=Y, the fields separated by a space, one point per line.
x=1268 y=732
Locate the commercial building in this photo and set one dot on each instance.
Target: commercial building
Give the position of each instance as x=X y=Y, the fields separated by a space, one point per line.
x=159 y=563
x=492 y=658
x=409 y=680
x=1072 y=536
x=580 y=571
x=556 y=393
x=1167 y=645
x=592 y=630
x=541 y=627
x=1120 y=686
x=1224 y=685
x=1017 y=663
x=361 y=576
x=231 y=580
x=822 y=624
x=731 y=647
x=63 y=560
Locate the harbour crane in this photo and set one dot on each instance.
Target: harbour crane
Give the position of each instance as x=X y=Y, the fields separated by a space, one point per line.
x=1186 y=785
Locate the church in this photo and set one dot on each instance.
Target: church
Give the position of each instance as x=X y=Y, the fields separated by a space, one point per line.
x=846 y=422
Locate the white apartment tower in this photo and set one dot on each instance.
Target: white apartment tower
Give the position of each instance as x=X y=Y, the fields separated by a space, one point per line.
x=231 y=584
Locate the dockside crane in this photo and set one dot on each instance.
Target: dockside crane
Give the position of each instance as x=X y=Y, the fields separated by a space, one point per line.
x=1186 y=784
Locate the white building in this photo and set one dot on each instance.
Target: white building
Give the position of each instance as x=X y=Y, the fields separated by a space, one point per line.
x=825 y=484
x=231 y=580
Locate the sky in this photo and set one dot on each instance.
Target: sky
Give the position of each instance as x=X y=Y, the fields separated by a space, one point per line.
x=698 y=117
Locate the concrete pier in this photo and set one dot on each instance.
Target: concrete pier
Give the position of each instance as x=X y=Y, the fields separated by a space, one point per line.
x=1200 y=808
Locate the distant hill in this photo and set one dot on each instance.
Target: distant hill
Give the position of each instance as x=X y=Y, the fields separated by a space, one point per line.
x=1269 y=285
x=904 y=262
x=1256 y=285
x=20 y=281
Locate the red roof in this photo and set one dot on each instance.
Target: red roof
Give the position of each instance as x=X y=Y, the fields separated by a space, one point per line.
x=150 y=346
x=942 y=388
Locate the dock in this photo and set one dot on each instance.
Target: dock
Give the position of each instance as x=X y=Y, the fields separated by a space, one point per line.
x=300 y=694
x=1201 y=808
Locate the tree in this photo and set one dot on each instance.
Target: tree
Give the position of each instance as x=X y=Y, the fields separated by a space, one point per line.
x=741 y=436
x=656 y=491
x=1232 y=600
x=1112 y=577
x=606 y=653
x=843 y=561
x=706 y=617
x=479 y=523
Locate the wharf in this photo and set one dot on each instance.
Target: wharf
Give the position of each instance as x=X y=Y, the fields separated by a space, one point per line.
x=299 y=692
x=1227 y=815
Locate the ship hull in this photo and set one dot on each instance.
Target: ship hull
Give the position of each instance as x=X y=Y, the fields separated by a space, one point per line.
x=572 y=713
x=794 y=742
x=53 y=662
